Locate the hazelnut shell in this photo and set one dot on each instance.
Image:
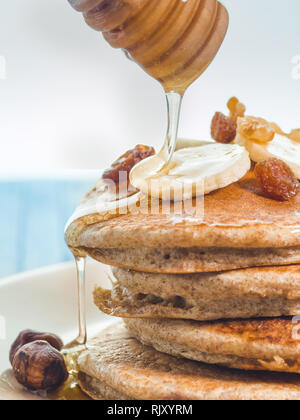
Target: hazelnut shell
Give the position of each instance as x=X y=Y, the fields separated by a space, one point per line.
x=39 y=366
x=28 y=336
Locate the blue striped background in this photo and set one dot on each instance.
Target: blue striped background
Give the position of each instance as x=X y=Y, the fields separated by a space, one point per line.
x=33 y=215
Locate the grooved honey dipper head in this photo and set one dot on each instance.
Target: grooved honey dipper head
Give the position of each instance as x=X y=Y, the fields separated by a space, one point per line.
x=173 y=40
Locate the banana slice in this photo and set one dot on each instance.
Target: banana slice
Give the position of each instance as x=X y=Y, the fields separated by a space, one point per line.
x=281 y=147
x=193 y=171
x=185 y=143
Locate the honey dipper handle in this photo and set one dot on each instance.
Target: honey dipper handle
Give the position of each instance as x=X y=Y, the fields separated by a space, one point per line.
x=107 y=15
x=86 y=5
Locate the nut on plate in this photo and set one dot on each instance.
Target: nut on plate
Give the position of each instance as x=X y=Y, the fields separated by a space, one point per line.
x=28 y=336
x=39 y=366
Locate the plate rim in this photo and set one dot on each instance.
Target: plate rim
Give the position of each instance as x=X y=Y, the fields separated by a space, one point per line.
x=29 y=274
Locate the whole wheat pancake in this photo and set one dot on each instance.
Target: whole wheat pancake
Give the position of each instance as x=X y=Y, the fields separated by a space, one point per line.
x=248 y=293
x=237 y=216
x=266 y=344
x=116 y=366
x=194 y=260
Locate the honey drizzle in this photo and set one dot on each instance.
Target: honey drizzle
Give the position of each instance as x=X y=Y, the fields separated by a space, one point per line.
x=72 y=350
x=80 y=269
x=174 y=102
x=70 y=390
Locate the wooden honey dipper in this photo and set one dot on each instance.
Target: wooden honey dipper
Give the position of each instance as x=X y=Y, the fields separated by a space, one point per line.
x=173 y=40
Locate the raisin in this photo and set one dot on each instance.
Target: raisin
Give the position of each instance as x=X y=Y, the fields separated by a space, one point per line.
x=295 y=135
x=256 y=129
x=223 y=129
x=277 y=129
x=276 y=179
x=127 y=161
x=236 y=108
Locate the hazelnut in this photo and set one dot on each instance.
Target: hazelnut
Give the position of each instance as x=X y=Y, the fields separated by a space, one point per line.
x=28 y=336
x=39 y=366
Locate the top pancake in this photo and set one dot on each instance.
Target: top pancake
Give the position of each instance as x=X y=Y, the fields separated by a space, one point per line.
x=237 y=216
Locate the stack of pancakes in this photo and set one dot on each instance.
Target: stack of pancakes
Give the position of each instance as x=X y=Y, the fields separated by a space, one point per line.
x=202 y=301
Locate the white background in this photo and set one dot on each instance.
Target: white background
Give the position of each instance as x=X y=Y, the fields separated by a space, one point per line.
x=71 y=101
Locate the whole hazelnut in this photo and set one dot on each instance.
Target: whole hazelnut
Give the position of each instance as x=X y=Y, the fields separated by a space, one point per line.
x=27 y=336
x=39 y=366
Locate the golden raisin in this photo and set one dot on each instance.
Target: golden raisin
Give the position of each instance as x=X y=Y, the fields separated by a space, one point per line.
x=236 y=108
x=276 y=179
x=223 y=129
x=277 y=129
x=127 y=161
x=256 y=129
x=295 y=135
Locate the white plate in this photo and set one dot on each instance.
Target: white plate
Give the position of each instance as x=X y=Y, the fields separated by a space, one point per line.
x=46 y=300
